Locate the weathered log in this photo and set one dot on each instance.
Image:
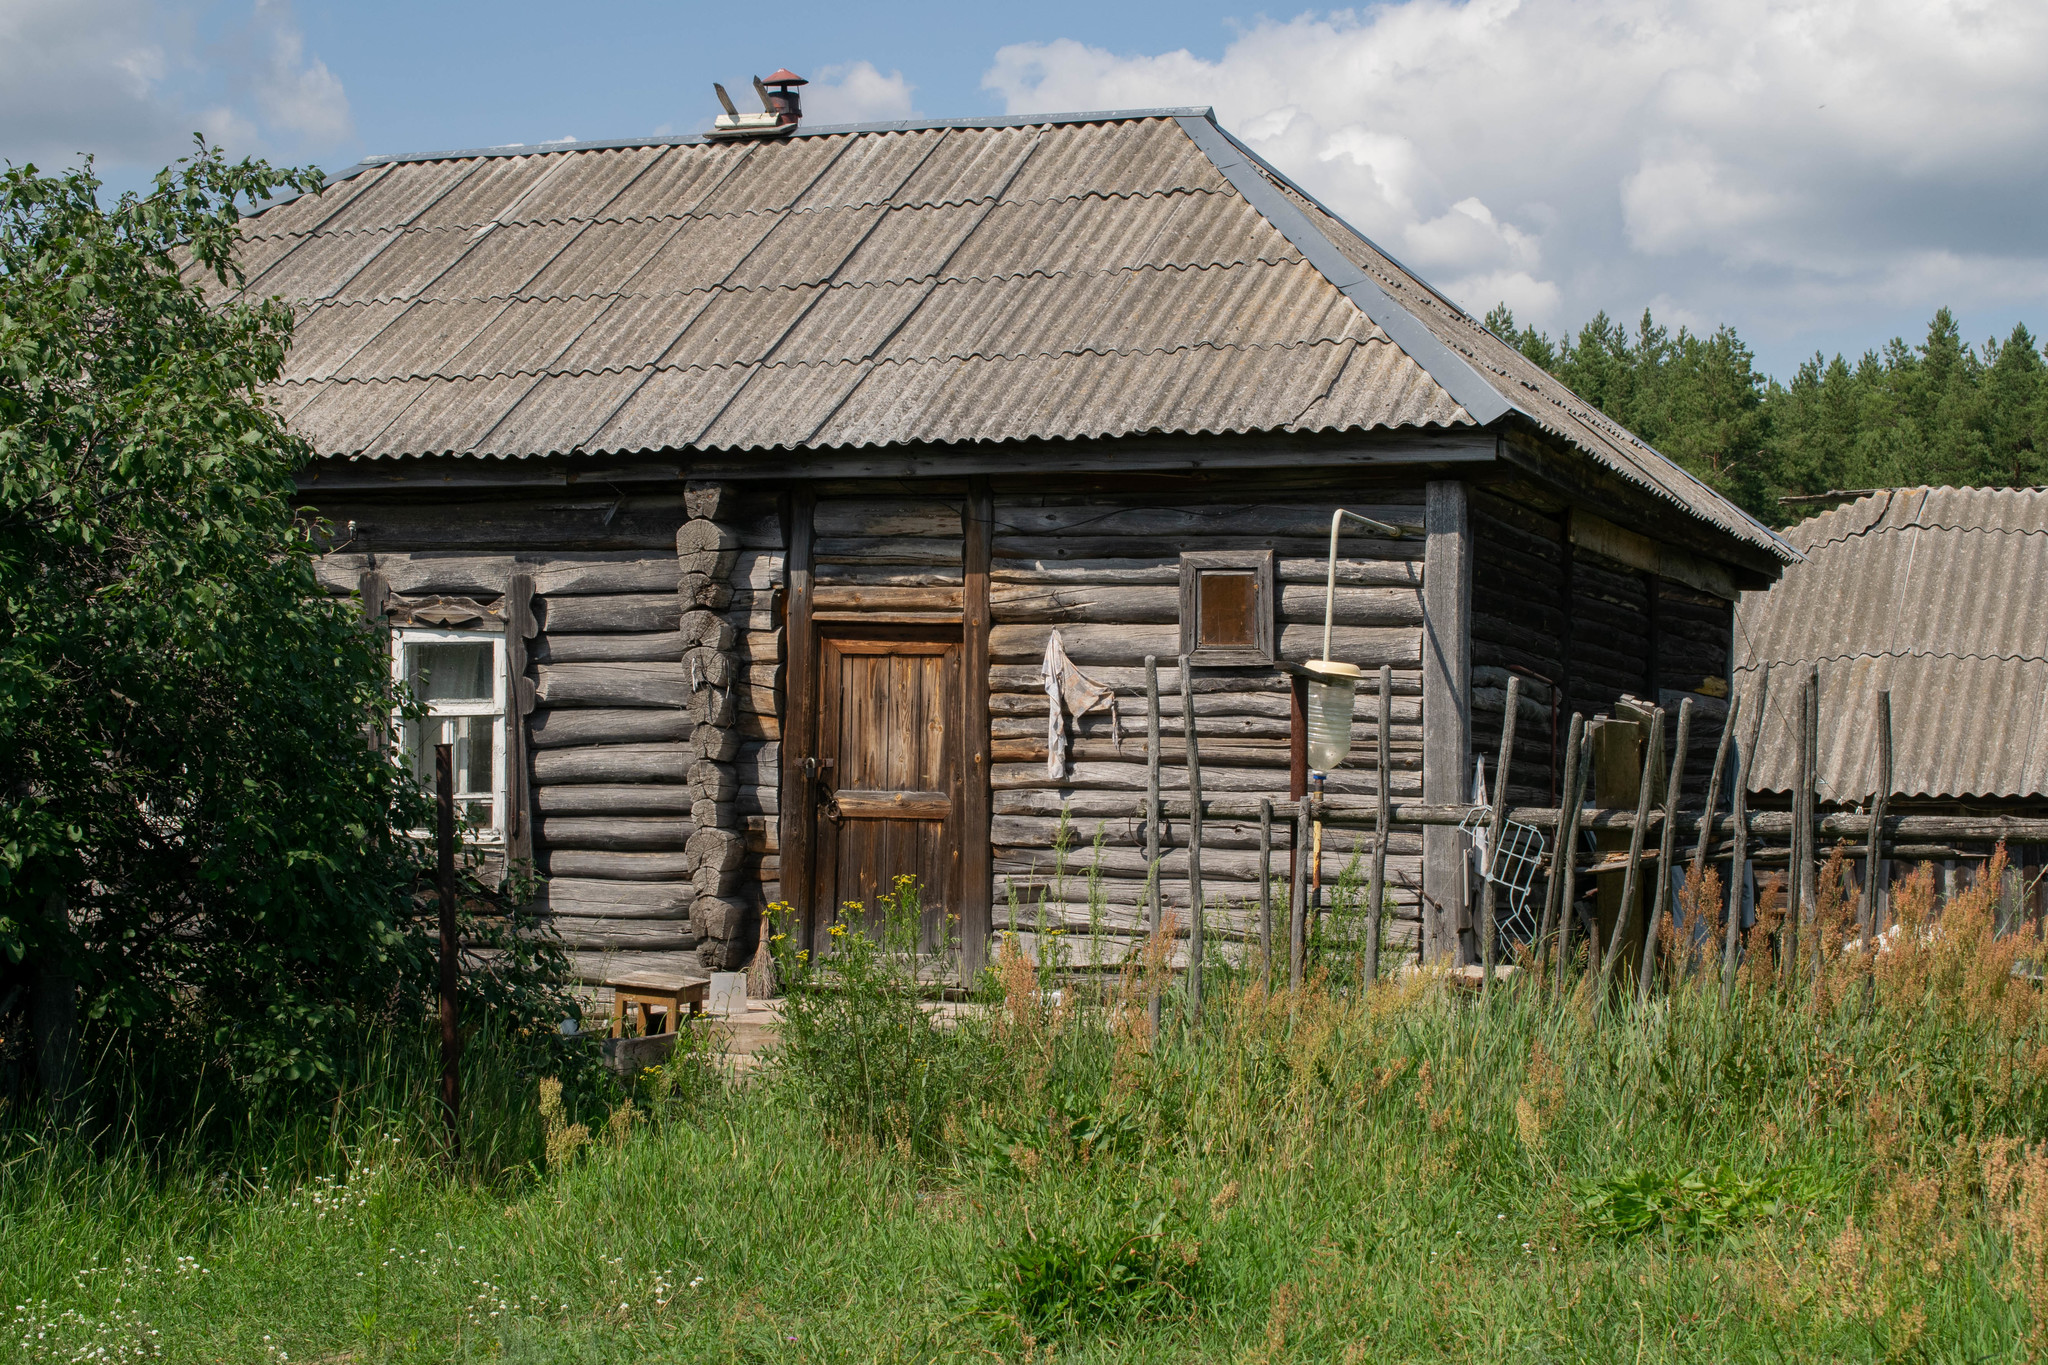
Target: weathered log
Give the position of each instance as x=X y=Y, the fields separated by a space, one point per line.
x=887 y=518
x=623 y=612
x=616 y=831
x=1127 y=646
x=713 y=814
x=576 y=521
x=618 y=866
x=625 y=935
x=610 y=763
x=1196 y=521
x=707 y=548
x=559 y=729
x=662 y=647
x=591 y=896
x=1144 y=605
x=717 y=743
x=612 y=684
x=481 y=576
x=633 y=798
x=890 y=550
x=712 y=781
x=1351 y=573
x=711 y=500
x=560 y=578
x=720 y=917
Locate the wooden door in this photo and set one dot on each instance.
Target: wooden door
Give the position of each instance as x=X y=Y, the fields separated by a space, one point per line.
x=888 y=784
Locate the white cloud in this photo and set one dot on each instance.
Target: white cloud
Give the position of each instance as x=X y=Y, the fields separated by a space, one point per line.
x=128 y=81
x=857 y=93
x=1786 y=165
x=295 y=93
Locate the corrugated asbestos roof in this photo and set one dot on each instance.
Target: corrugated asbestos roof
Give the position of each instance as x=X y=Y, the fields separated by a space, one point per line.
x=1935 y=594
x=1080 y=276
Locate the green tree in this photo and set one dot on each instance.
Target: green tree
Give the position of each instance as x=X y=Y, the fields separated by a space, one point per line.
x=196 y=824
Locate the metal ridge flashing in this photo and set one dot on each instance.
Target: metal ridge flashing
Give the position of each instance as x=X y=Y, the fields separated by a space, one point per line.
x=370 y=163
x=817 y=130
x=1470 y=389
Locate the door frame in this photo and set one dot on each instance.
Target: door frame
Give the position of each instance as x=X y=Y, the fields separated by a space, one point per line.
x=883 y=640
x=800 y=732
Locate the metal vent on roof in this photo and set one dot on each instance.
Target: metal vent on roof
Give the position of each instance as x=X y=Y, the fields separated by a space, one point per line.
x=781 y=108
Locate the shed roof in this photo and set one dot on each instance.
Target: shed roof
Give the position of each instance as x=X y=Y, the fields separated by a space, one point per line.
x=1934 y=594
x=1072 y=276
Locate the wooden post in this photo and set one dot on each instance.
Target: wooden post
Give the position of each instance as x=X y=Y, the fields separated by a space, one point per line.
x=1570 y=898
x=1866 y=924
x=1297 y=910
x=1376 y=889
x=1495 y=825
x=1152 y=816
x=1195 y=906
x=451 y=946
x=1446 y=707
x=1266 y=886
x=519 y=628
x=800 y=723
x=1667 y=850
x=972 y=820
x=1738 y=866
x=1699 y=852
x=1563 y=838
x=1811 y=871
x=1653 y=750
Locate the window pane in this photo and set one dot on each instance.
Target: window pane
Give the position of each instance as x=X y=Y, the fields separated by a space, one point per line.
x=1228 y=607
x=475 y=759
x=458 y=671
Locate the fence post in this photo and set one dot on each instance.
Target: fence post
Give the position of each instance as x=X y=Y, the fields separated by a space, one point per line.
x=1667 y=849
x=1152 y=817
x=1495 y=826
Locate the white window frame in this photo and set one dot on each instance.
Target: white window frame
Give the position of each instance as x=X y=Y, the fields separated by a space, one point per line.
x=403 y=637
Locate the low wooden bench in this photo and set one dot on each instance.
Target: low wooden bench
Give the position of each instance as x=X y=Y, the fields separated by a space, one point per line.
x=671 y=993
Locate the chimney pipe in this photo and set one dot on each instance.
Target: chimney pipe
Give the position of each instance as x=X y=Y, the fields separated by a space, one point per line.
x=781 y=108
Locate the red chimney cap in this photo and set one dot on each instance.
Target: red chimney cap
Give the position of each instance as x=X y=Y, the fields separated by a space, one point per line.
x=782 y=75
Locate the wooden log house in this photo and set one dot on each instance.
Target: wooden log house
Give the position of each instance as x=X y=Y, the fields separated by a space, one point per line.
x=745 y=483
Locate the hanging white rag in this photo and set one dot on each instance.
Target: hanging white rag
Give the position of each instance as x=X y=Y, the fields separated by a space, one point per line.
x=1073 y=695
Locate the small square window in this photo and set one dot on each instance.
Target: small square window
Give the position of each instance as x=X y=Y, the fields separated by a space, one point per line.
x=1227 y=607
x=460 y=675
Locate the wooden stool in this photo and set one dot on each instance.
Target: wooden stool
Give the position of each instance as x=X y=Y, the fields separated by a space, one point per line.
x=651 y=991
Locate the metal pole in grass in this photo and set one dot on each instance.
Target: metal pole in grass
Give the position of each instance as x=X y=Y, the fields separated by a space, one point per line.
x=1195 y=906
x=1376 y=892
x=451 y=1033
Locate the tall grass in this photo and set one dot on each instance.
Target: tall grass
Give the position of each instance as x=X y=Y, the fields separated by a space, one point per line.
x=1844 y=1163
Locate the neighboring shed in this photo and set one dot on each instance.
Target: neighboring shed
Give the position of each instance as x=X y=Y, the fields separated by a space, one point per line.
x=1935 y=595
x=763 y=472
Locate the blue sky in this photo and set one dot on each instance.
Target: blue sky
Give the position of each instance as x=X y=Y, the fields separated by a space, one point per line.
x=1821 y=174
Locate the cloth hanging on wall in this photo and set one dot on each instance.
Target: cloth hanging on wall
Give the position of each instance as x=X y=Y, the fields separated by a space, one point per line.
x=1073 y=695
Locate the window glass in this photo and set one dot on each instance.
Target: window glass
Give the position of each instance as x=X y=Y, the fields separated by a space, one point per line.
x=1227 y=606
x=458 y=671
x=476 y=776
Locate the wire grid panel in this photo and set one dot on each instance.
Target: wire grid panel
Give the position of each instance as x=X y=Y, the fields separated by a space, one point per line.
x=1513 y=865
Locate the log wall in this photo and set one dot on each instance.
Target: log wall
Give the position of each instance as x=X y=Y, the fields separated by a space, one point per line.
x=1103 y=568
x=640 y=669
